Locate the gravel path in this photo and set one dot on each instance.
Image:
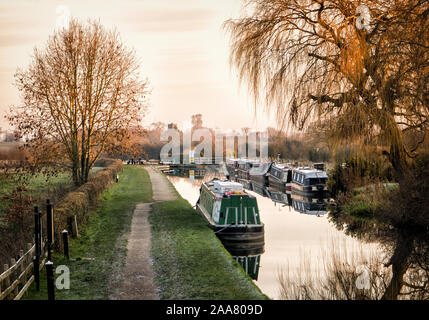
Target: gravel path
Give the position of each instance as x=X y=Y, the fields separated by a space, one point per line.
x=138 y=281
x=162 y=190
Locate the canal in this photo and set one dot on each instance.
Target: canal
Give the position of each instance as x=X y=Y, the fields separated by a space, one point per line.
x=291 y=238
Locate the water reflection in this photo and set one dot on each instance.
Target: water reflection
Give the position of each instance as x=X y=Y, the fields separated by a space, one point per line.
x=249 y=258
x=250 y=264
x=279 y=197
x=288 y=231
x=311 y=205
x=314 y=203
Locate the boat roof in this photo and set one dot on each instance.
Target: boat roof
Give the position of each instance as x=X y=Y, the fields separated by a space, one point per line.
x=220 y=187
x=261 y=169
x=254 y=161
x=283 y=166
x=311 y=173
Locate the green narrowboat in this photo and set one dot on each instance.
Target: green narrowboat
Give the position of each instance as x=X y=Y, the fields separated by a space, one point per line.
x=232 y=213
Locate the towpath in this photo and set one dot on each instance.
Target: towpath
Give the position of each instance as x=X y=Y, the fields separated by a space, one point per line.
x=138 y=281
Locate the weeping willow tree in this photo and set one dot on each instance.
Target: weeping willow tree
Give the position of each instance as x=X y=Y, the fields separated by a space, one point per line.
x=360 y=70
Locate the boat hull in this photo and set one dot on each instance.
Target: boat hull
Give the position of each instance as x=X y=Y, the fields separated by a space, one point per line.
x=278 y=185
x=316 y=191
x=238 y=237
x=241 y=237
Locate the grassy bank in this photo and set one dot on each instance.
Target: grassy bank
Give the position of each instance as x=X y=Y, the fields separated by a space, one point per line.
x=40 y=186
x=189 y=260
x=99 y=254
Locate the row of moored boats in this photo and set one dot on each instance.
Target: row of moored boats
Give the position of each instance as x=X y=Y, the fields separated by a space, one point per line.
x=234 y=214
x=281 y=177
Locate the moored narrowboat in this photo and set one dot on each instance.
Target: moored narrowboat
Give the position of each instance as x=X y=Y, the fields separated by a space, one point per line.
x=246 y=184
x=309 y=181
x=232 y=213
x=244 y=167
x=258 y=174
x=280 y=176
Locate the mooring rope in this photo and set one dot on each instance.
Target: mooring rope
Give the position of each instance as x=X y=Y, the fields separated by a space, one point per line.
x=224 y=228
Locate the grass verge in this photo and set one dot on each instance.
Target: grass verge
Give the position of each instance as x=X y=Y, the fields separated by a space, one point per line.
x=100 y=252
x=189 y=260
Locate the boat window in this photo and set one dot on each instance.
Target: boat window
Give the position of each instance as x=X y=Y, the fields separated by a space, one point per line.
x=314 y=181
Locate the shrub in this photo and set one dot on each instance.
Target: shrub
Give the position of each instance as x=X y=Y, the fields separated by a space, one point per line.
x=76 y=204
x=357 y=171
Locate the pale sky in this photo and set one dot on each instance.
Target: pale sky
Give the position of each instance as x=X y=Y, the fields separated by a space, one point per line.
x=181 y=45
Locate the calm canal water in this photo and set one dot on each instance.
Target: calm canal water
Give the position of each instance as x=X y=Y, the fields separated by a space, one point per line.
x=290 y=237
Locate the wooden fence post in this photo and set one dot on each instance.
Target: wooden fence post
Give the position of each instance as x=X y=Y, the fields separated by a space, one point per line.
x=50 y=279
x=6 y=281
x=75 y=226
x=49 y=227
x=13 y=275
x=65 y=235
x=37 y=242
x=37 y=231
x=22 y=266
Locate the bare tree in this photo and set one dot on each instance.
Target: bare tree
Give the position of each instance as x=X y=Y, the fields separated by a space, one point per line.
x=317 y=59
x=81 y=92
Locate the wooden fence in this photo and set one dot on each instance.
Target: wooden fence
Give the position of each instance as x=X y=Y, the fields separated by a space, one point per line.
x=20 y=274
x=17 y=278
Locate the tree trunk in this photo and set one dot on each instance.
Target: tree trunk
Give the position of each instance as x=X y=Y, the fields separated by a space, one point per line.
x=398 y=160
x=400 y=263
x=87 y=168
x=75 y=172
